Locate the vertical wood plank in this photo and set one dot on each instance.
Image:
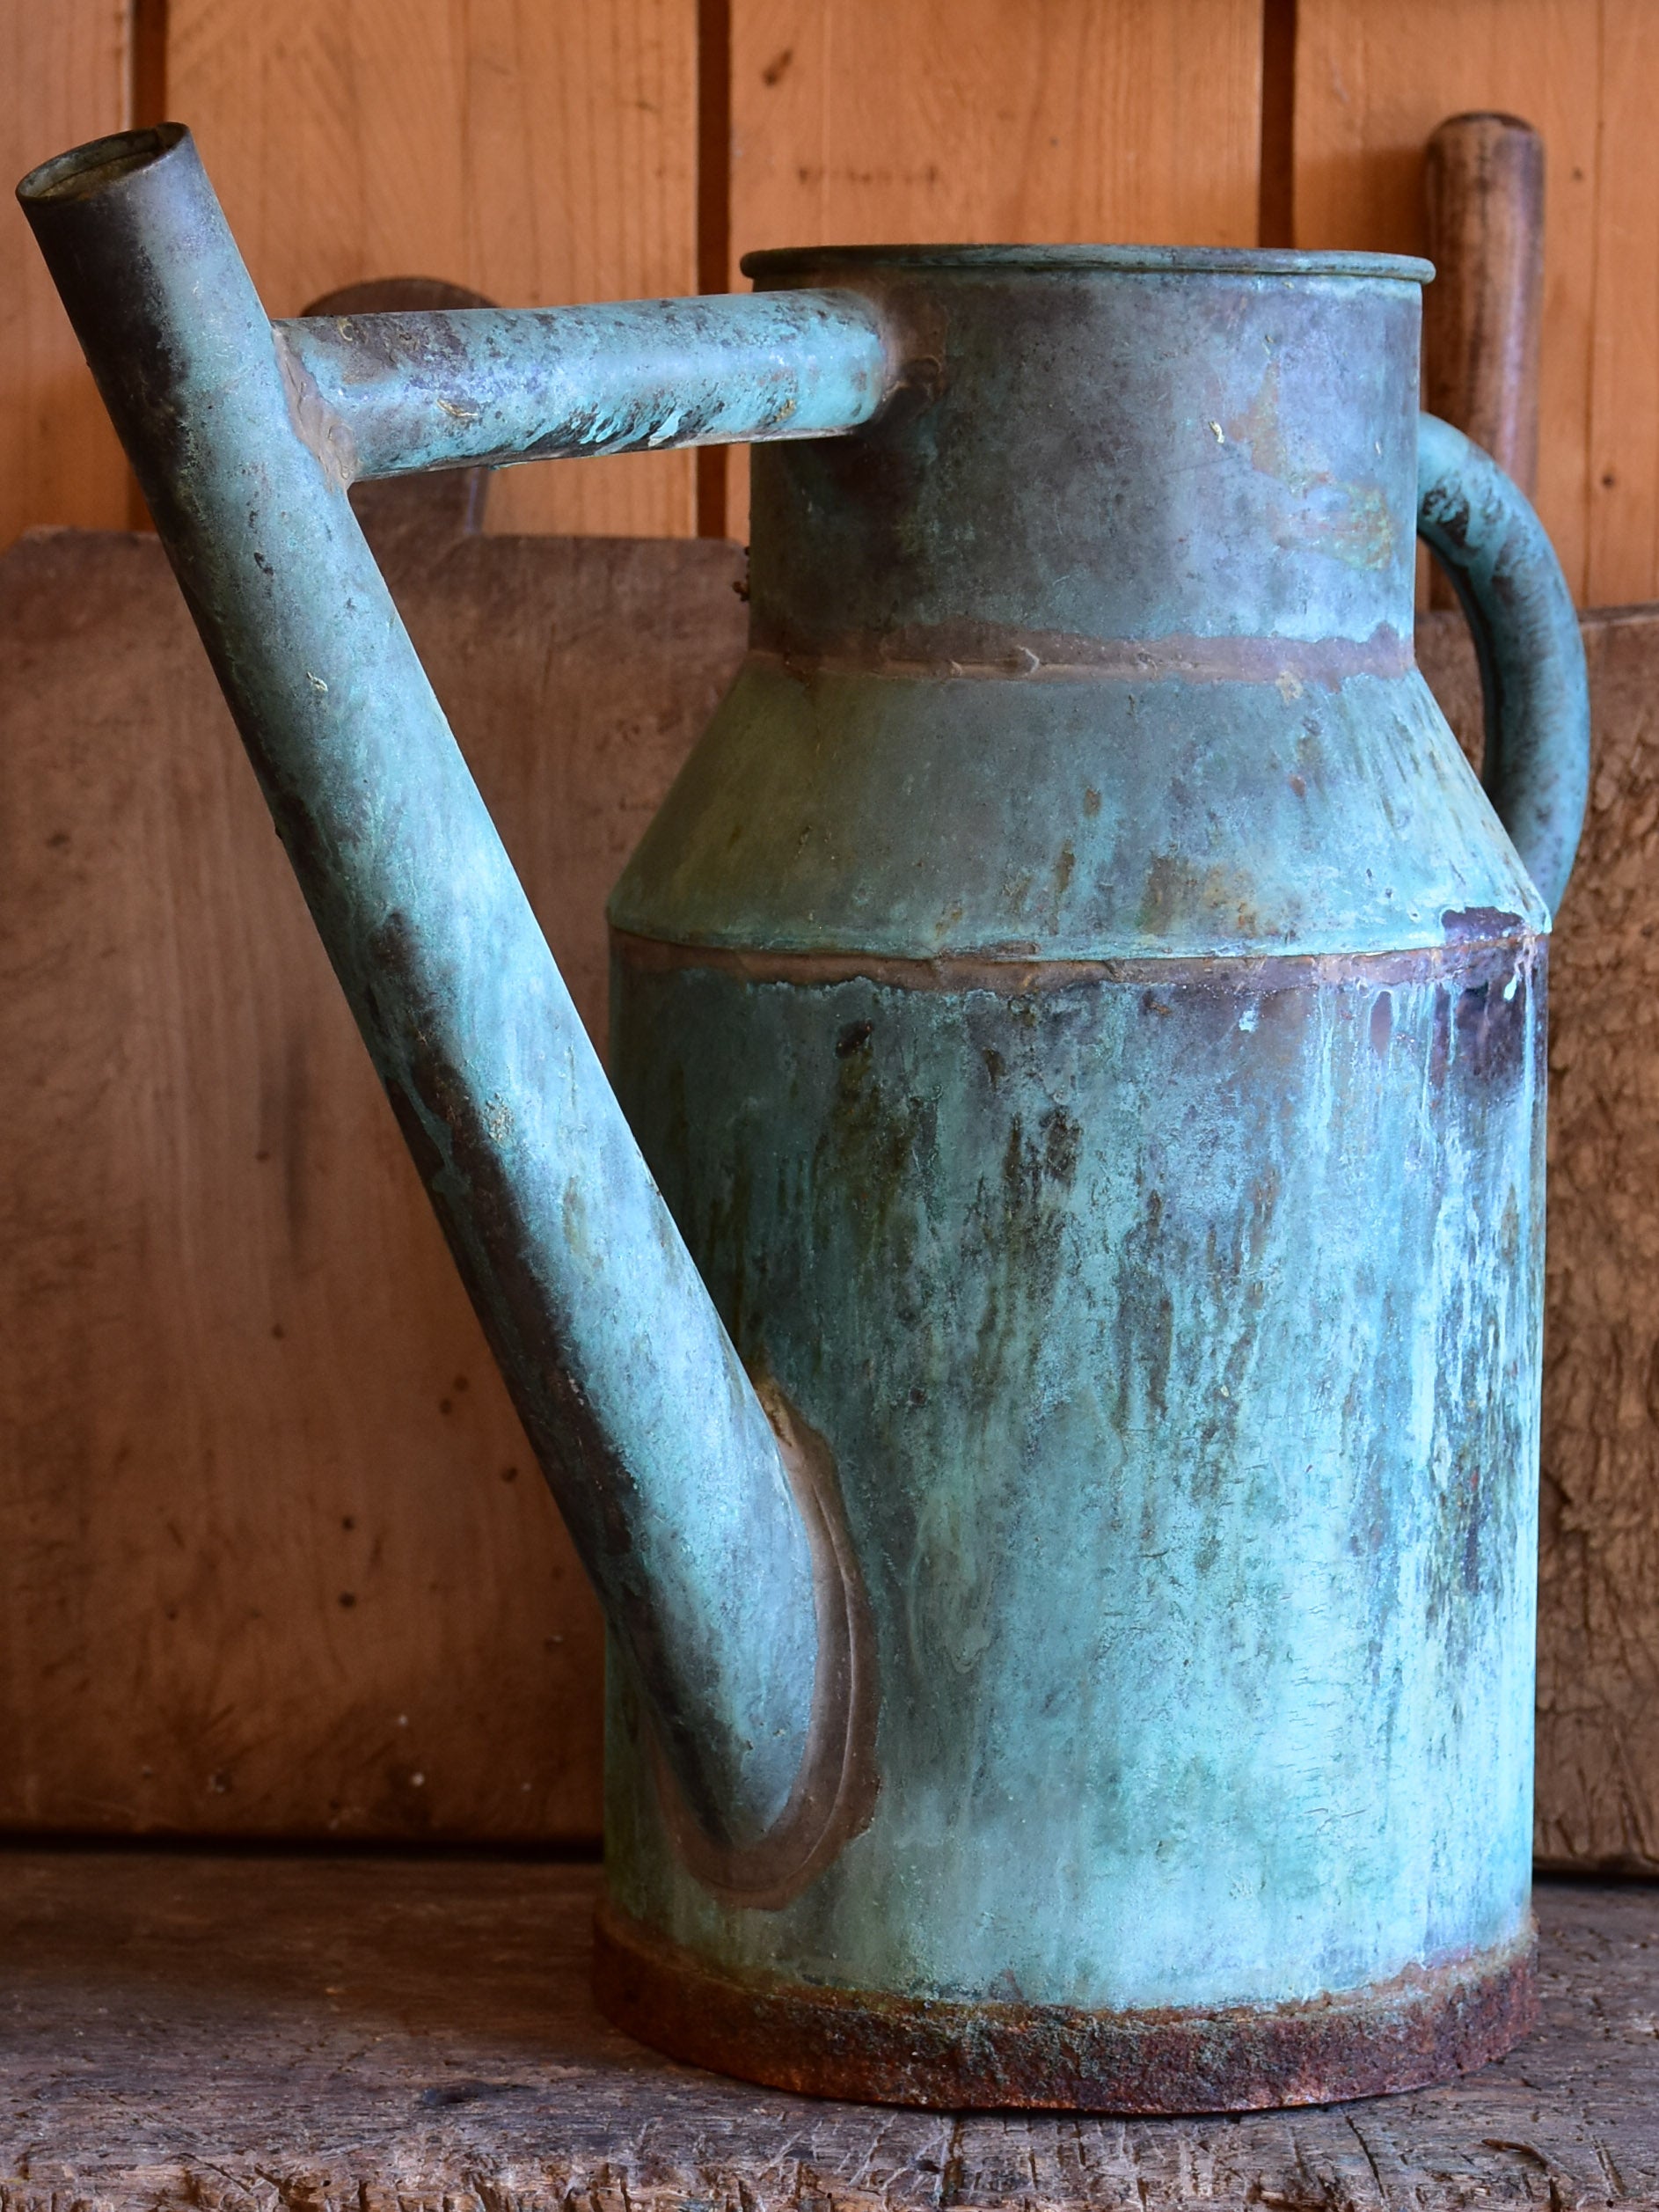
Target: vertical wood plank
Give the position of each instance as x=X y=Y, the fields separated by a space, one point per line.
x=64 y=68
x=539 y=154
x=1374 y=78
x=1622 y=491
x=855 y=121
x=979 y=119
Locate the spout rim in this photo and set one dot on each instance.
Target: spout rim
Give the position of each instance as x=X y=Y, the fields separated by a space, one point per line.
x=1134 y=261
x=84 y=171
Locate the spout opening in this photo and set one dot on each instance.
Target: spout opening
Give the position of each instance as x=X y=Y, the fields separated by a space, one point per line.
x=86 y=171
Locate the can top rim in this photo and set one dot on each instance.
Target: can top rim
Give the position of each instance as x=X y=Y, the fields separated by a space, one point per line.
x=1142 y=260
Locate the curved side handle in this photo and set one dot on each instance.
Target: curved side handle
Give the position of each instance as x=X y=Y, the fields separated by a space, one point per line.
x=1509 y=584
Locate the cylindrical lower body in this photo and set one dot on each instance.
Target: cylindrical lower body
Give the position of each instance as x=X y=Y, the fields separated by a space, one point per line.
x=1174 y=1329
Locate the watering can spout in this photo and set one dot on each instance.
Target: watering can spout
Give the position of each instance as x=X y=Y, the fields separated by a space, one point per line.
x=705 y=1509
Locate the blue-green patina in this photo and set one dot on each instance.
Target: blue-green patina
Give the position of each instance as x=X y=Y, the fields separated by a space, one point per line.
x=1144 y=1196
x=1186 y=1349
x=1086 y=1023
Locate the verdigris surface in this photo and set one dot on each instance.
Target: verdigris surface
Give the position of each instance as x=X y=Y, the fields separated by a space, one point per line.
x=1061 y=1467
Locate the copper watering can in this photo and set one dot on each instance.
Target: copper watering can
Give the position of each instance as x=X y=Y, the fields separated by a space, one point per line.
x=1039 y=1353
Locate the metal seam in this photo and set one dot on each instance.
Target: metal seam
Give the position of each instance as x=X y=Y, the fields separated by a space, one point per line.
x=1020 y=976
x=985 y=655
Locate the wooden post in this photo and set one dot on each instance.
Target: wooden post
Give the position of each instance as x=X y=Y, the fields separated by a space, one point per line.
x=1485 y=185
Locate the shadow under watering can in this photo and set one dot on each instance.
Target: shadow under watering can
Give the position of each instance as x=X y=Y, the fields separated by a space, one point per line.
x=1040 y=1351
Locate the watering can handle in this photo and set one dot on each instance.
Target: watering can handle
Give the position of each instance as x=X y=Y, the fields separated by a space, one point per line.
x=1484 y=532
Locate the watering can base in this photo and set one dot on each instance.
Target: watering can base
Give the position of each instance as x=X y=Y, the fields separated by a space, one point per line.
x=1416 y=2028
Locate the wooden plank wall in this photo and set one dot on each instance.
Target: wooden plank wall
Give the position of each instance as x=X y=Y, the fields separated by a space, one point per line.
x=1372 y=82
x=618 y=148
x=538 y=153
x=66 y=71
x=550 y=150
x=273 y=1557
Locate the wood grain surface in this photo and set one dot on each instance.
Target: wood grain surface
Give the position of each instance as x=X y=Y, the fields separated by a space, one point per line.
x=1598 y=1788
x=63 y=77
x=276 y=1557
x=539 y=154
x=258 y=2035
x=1374 y=79
x=856 y=122
x=551 y=152
x=1622 y=561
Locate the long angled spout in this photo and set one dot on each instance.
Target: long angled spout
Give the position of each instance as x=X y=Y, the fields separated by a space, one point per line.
x=712 y=1547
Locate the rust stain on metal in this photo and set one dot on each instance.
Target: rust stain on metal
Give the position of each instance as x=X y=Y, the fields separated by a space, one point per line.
x=1422 y=2026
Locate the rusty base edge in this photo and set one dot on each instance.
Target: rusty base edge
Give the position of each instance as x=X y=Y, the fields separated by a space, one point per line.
x=1421 y=2027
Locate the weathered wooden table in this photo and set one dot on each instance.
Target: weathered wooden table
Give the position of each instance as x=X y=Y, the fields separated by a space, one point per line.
x=229 y=2032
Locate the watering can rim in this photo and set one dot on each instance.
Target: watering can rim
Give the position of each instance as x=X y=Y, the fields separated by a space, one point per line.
x=1134 y=261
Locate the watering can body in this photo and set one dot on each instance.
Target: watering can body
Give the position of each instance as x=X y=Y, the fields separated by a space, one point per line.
x=1088 y=1025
